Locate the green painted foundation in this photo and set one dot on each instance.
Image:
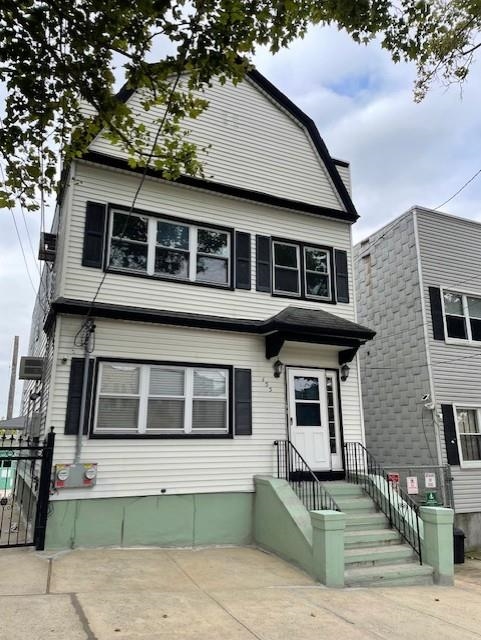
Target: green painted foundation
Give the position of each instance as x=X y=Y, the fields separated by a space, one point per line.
x=165 y=521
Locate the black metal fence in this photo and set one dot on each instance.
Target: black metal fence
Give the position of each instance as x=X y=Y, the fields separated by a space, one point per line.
x=25 y=472
x=292 y=467
x=396 y=504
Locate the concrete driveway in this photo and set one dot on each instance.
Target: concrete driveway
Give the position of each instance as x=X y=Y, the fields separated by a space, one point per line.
x=215 y=594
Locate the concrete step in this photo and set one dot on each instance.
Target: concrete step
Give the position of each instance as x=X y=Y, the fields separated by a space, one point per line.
x=352 y=505
x=371 y=538
x=340 y=488
x=361 y=521
x=407 y=574
x=370 y=556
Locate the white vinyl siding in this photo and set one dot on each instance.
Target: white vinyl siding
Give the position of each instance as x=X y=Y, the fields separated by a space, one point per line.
x=110 y=186
x=253 y=144
x=135 y=467
x=450 y=249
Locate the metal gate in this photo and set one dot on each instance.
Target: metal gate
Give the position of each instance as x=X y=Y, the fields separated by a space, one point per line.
x=25 y=472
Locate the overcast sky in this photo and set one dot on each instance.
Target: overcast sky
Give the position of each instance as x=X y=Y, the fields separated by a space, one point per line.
x=401 y=153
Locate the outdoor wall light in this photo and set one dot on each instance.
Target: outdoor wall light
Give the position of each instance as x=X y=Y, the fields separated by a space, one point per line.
x=344 y=372
x=278 y=366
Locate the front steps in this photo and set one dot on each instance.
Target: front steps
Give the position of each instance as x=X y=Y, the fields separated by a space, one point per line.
x=375 y=554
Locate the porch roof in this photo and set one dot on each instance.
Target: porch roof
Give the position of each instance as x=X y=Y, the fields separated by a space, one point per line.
x=291 y=324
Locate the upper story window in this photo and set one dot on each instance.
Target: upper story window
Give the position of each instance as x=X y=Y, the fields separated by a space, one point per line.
x=144 y=399
x=165 y=248
x=302 y=270
x=463 y=316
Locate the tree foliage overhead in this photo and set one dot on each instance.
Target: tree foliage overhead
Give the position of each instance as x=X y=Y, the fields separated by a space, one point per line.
x=57 y=54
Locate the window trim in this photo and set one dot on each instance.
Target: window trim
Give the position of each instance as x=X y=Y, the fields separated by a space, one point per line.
x=466 y=464
x=162 y=436
x=464 y=298
x=192 y=224
x=302 y=295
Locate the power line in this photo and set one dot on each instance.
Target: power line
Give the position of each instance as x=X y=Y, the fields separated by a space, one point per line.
x=30 y=240
x=459 y=190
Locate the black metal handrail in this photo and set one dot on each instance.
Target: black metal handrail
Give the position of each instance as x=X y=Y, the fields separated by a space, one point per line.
x=396 y=504
x=292 y=467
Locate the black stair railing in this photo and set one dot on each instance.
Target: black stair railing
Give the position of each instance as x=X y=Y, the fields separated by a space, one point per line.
x=396 y=504
x=292 y=467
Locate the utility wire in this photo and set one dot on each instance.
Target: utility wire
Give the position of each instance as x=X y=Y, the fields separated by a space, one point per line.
x=459 y=190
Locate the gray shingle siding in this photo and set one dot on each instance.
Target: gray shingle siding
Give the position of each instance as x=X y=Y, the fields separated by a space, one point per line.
x=399 y=429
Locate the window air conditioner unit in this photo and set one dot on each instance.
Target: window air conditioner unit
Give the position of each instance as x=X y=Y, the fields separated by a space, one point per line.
x=48 y=246
x=30 y=368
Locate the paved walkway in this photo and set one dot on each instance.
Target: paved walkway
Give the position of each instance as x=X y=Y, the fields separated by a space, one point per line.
x=216 y=594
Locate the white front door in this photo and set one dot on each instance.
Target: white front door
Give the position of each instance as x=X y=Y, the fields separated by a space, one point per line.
x=314 y=417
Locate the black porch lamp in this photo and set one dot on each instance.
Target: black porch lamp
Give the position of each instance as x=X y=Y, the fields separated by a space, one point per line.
x=277 y=366
x=344 y=372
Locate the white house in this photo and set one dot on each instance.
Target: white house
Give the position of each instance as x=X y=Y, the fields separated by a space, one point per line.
x=222 y=310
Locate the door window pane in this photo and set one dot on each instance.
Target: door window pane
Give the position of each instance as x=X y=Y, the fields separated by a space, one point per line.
x=308 y=414
x=173 y=236
x=306 y=388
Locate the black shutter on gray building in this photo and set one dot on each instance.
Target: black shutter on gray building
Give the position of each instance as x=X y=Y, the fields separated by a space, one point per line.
x=450 y=438
x=436 y=313
x=242 y=260
x=243 y=402
x=72 y=417
x=342 y=277
x=94 y=235
x=263 y=263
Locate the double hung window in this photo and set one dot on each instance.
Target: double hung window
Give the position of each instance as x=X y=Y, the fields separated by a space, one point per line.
x=463 y=316
x=150 y=399
x=469 y=432
x=170 y=249
x=302 y=270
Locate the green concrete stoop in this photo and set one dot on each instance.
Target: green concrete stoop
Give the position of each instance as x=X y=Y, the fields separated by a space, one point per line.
x=355 y=547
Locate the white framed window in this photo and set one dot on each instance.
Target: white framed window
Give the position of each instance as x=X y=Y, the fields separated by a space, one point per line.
x=468 y=427
x=170 y=249
x=286 y=267
x=317 y=273
x=163 y=399
x=462 y=316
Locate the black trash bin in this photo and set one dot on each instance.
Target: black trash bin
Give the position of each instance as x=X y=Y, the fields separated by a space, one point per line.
x=458 y=546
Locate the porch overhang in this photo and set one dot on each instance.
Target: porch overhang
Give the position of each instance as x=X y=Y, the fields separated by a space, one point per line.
x=292 y=324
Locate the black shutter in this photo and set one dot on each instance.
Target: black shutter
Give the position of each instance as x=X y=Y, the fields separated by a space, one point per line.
x=436 y=313
x=342 y=277
x=74 y=395
x=450 y=438
x=263 y=263
x=93 y=249
x=242 y=260
x=243 y=402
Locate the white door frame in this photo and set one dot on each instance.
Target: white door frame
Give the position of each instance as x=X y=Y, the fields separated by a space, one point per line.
x=315 y=443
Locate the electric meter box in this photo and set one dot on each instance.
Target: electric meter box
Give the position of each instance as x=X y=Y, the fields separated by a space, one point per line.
x=75 y=476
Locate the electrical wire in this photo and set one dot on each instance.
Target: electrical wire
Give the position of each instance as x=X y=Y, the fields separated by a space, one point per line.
x=459 y=190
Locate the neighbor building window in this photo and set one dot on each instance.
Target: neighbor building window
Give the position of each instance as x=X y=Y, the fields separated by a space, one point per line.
x=161 y=399
x=468 y=421
x=463 y=316
x=169 y=249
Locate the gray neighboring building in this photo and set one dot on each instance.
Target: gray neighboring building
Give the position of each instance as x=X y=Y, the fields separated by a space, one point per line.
x=418 y=283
